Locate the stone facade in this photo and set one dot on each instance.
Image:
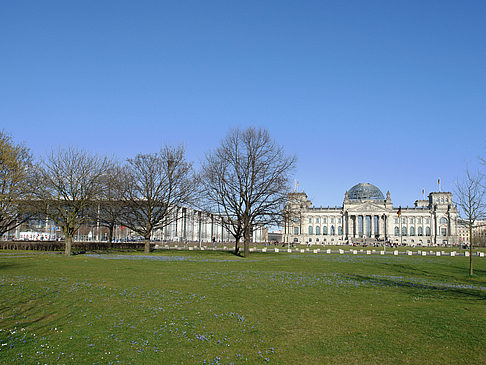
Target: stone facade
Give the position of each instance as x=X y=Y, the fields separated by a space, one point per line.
x=367 y=216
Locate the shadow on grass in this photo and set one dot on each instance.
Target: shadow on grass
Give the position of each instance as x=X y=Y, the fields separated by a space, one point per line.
x=450 y=272
x=447 y=289
x=30 y=313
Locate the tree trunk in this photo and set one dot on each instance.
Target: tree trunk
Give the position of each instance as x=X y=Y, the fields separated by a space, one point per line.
x=247 y=248
x=111 y=228
x=147 y=245
x=247 y=241
x=470 y=250
x=237 y=249
x=68 y=242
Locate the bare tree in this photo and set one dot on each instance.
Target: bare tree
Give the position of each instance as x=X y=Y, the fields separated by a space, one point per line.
x=15 y=183
x=246 y=181
x=71 y=182
x=470 y=196
x=159 y=183
x=110 y=205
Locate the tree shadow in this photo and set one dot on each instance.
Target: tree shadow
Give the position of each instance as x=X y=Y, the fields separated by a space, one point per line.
x=454 y=290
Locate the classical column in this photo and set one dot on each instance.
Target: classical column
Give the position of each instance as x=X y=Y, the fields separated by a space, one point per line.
x=345 y=226
x=381 y=226
x=372 y=226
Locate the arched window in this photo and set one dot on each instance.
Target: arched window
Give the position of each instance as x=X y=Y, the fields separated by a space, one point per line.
x=296 y=230
x=397 y=231
x=324 y=220
x=318 y=230
x=443 y=220
x=324 y=230
x=310 y=229
x=412 y=231
x=404 y=231
x=317 y=220
x=443 y=231
x=427 y=231
x=420 y=231
x=333 y=231
x=310 y=220
x=340 y=230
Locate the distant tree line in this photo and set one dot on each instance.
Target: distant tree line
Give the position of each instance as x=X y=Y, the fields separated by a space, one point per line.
x=245 y=181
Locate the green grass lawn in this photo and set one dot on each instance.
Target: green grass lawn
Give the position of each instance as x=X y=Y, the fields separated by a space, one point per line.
x=213 y=307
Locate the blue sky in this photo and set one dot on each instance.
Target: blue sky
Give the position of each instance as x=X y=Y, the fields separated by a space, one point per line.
x=387 y=92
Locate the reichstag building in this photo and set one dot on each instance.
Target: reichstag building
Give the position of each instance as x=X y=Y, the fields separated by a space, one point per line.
x=366 y=216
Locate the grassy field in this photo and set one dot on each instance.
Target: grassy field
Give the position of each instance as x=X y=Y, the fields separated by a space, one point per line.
x=210 y=307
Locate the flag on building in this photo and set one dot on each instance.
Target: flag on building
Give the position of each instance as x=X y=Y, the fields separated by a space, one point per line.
x=399 y=211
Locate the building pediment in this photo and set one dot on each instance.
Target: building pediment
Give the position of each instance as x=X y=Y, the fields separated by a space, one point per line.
x=366 y=207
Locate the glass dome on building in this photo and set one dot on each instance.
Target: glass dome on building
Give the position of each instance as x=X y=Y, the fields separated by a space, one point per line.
x=365 y=191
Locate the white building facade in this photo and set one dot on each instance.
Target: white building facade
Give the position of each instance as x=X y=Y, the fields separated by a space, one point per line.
x=367 y=216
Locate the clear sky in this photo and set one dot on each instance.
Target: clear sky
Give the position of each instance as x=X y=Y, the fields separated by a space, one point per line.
x=387 y=92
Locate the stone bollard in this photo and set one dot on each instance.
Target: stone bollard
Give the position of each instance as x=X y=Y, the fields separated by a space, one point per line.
x=409 y=253
x=355 y=252
x=276 y=250
x=341 y=251
x=328 y=251
x=424 y=253
x=368 y=252
x=453 y=253
x=481 y=254
x=264 y=249
x=437 y=253
x=289 y=250
x=466 y=253
x=191 y=248
x=382 y=252
x=302 y=250
x=395 y=252
x=315 y=251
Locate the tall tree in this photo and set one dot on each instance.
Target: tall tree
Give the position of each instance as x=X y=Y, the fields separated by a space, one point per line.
x=71 y=182
x=246 y=181
x=159 y=183
x=110 y=206
x=15 y=183
x=470 y=198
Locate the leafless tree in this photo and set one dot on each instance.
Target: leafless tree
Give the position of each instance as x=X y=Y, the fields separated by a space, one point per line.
x=470 y=198
x=71 y=182
x=109 y=207
x=15 y=183
x=159 y=183
x=246 y=181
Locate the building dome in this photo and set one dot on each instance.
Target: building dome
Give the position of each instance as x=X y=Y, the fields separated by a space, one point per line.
x=365 y=191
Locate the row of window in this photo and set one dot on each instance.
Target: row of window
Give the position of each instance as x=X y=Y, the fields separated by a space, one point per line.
x=324 y=220
x=410 y=220
x=420 y=232
x=417 y=220
x=325 y=232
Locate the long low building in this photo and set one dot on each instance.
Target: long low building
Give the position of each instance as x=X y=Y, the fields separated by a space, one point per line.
x=367 y=216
